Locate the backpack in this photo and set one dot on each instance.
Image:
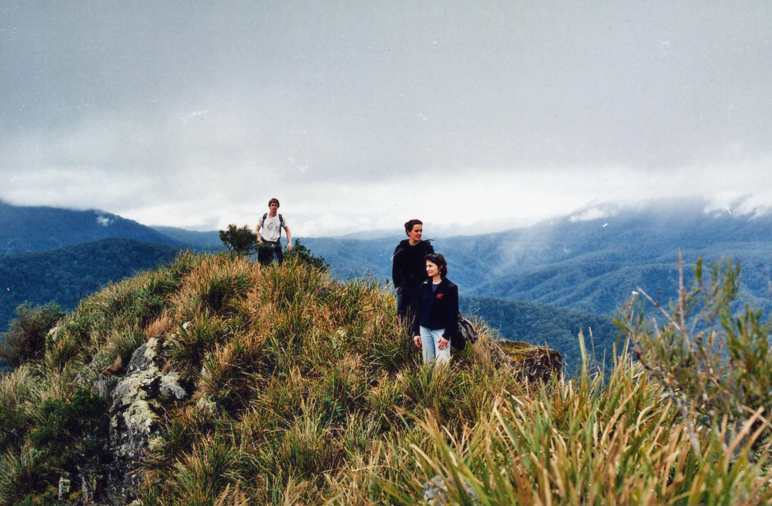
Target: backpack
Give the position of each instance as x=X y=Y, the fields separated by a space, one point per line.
x=465 y=331
x=281 y=222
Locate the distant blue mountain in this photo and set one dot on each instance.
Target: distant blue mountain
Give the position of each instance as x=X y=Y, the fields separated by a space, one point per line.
x=34 y=229
x=585 y=264
x=206 y=241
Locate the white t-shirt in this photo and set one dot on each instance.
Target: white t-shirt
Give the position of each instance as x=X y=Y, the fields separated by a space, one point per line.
x=271 y=229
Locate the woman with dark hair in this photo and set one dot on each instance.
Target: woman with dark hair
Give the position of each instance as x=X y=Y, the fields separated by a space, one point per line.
x=437 y=312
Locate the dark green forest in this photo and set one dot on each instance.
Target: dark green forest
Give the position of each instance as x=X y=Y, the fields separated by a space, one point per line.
x=67 y=275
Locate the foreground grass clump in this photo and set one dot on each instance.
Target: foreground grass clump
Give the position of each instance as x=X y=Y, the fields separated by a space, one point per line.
x=304 y=390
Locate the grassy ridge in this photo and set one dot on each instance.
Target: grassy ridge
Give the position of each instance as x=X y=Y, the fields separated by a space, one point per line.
x=304 y=390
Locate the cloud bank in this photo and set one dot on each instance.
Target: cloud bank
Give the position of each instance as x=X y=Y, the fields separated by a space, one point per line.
x=360 y=116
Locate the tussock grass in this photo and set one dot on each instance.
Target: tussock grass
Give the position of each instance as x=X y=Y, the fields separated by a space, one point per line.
x=307 y=391
x=20 y=391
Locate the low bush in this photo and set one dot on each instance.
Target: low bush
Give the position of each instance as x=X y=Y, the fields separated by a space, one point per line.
x=26 y=336
x=68 y=437
x=711 y=357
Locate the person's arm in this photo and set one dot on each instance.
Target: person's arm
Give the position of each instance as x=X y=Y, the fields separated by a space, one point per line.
x=257 y=230
x=289 y=237
x=418 y=303
x=451 y=313
x=396 y=274
x=415 y=331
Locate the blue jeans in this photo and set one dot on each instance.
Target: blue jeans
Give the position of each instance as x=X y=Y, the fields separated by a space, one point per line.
x=430 y=349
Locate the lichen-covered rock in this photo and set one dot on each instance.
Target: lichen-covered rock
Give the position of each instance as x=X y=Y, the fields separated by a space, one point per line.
x=534 y=363
x=137 y=401
x=435 y=492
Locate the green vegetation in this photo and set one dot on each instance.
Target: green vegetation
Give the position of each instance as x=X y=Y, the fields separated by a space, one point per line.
x=304 y=390
x=715 y=365
x=305 y=256
x=26 y=337
x=239 y=240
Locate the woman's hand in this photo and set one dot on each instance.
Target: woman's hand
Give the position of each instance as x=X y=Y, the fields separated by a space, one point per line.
x=417 y=341
x=442 y=343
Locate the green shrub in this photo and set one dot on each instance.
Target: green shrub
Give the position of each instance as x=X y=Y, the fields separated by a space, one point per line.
x=304 y=255
x=25 y=339
x=203 y=474
x=714 y=363
x=239 y=240
x=25 y=479
x=66 y=437
x=71 y=432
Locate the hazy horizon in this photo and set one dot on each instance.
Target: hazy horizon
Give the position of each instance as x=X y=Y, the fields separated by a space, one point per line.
x=597 y=211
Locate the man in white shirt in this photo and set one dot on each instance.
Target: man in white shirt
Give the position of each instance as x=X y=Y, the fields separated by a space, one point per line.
x=269 y=234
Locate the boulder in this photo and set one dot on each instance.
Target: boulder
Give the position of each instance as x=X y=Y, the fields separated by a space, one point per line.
x=534 y=363
x=435 y=492
x=138 y=399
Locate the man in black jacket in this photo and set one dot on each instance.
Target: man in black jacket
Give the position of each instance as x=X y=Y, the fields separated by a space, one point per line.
x=408 y=269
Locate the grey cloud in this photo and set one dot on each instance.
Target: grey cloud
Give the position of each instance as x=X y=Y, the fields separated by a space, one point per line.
x=181 y=100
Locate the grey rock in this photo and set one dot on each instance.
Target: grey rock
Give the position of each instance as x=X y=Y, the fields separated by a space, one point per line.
x=435 y=492
x=170 y=387
x=137 y=402
x=64 y=487
x=104 y=386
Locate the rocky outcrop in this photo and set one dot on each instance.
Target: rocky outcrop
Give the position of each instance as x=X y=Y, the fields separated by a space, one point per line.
x=435 y=492
x=534 y=363
x=137 y=402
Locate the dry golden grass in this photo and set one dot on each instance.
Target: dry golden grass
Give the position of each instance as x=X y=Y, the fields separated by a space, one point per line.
x=160 y=326
x=305 y=390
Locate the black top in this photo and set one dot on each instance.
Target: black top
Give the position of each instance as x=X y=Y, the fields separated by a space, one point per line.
x=438 y=309
x=408 y=267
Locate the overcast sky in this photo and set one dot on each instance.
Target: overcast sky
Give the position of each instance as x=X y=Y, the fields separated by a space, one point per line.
x=360 y=115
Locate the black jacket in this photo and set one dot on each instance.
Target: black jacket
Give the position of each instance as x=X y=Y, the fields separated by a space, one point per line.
x=408 y=265
x=438 y=310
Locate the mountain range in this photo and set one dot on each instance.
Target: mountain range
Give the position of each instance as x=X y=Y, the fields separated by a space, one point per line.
x=540 y=283
x=29 y=229
x=589 y=261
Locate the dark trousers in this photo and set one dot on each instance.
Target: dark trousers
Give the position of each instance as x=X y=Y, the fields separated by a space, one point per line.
x=266 y=252
x=407 y=304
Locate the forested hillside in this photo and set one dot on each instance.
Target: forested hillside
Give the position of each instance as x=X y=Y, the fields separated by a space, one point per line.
x=551 y=326
x=202 y=241
x=67 y=275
